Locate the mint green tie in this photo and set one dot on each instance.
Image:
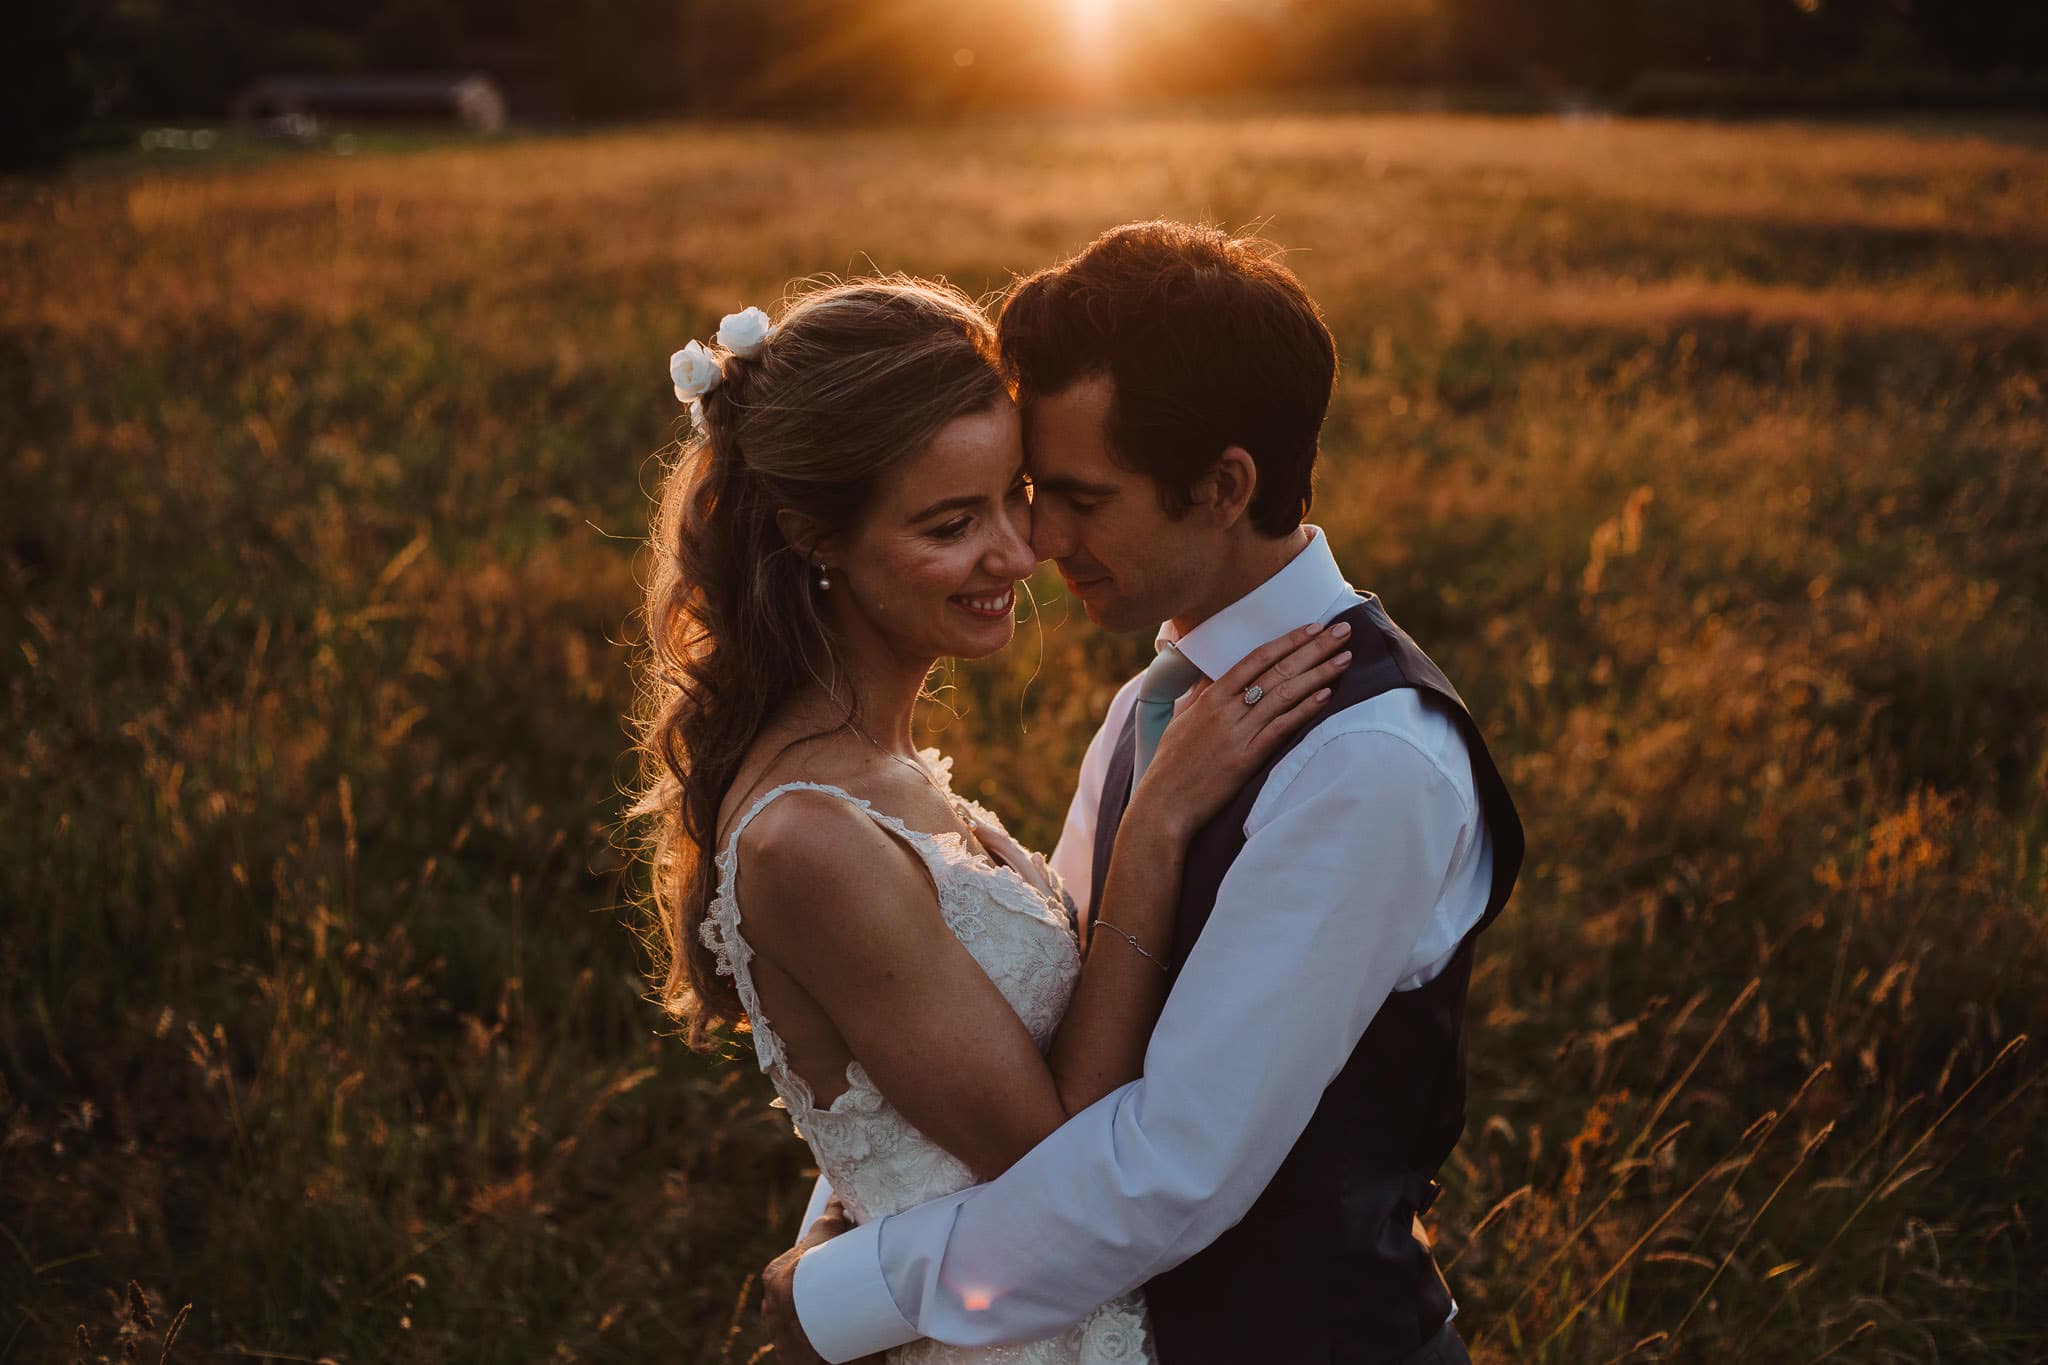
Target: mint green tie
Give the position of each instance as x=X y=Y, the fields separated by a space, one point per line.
x=1169 y=676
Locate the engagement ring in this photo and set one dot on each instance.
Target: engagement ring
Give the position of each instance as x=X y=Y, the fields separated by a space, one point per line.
x=1252 y=694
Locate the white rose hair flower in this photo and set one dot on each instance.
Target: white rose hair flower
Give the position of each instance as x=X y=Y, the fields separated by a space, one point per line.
x=744 y=333
x=695 y=371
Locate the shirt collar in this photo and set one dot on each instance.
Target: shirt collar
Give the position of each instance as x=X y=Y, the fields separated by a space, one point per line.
x=1302 y=591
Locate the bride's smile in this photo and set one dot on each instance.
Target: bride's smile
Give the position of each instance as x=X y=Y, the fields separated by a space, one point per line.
x=991 y=607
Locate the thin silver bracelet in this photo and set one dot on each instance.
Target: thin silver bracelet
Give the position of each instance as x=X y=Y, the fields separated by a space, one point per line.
x=1132 y=939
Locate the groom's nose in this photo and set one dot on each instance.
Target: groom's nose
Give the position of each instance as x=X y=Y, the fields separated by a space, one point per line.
x=1051 y=536
x=1013 y=556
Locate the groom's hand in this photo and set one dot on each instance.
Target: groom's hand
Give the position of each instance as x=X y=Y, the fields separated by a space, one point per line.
x=778 y=1293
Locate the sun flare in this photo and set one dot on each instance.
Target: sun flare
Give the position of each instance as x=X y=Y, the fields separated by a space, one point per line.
x=1090 y=21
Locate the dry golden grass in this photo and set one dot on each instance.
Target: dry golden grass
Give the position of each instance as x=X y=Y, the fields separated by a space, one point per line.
x=1706 y=458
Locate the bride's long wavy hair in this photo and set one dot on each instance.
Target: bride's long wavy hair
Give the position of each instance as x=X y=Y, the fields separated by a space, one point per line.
x=855 y=378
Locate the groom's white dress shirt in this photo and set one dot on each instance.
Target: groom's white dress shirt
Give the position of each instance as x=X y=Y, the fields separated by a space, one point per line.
x=1365 y=863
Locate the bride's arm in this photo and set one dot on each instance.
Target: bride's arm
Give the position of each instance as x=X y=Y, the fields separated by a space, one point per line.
x=850 y=915
x=1209 y=751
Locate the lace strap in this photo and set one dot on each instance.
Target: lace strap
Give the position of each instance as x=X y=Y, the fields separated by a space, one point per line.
x=882 y=818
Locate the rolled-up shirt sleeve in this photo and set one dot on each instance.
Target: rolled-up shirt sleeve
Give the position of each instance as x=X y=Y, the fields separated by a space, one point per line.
x=1313 y=926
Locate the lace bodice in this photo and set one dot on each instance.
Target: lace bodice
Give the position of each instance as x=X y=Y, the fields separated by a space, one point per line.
x=1014 y=918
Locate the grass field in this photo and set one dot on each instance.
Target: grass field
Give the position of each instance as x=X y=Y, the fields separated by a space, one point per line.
x=1708 y=460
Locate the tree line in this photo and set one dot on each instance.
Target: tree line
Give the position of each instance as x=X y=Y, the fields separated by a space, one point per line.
x=104 y=63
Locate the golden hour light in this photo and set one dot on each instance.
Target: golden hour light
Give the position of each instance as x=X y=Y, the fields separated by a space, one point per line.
x=1092 y=38
x=642 y=642
x=1090 y=21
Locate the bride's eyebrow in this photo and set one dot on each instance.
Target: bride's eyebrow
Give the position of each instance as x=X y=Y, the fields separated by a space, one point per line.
x=965 y=500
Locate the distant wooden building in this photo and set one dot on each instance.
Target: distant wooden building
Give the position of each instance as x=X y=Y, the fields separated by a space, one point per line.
x=470 y=99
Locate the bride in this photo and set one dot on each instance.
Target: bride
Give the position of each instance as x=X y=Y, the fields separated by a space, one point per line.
x=850 y=506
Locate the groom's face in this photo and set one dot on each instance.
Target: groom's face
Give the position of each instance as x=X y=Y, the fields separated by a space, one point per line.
x=1104 y=526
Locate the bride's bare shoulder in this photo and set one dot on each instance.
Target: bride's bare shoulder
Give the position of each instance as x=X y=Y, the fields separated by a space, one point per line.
x=810 y=855
x=804 y=824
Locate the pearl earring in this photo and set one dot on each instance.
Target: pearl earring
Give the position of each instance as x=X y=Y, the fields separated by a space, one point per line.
x=824 y=578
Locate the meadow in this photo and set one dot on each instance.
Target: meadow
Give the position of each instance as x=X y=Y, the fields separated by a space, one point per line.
x=1708 y=460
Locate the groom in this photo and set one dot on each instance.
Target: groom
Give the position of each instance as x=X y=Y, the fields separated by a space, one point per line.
x=1264 y=1180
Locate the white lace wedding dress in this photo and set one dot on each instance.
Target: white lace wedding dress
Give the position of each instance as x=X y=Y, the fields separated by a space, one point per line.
x=1015 y=922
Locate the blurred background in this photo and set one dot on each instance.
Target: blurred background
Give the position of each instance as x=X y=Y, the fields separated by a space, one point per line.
x=1691 y=413
x=86 y=72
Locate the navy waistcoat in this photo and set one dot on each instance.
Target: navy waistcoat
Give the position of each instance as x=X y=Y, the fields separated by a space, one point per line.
x=1329 y=1265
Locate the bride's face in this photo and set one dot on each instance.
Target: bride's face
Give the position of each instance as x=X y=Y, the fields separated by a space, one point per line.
x=932 y=569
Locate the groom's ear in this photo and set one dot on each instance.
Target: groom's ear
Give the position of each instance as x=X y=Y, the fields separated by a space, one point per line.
x=1225 y=492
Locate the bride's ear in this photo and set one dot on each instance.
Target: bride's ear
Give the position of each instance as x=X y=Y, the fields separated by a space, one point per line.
x=801 y=531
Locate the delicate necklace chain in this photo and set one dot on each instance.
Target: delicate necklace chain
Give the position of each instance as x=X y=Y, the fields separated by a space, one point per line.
x=954 y=801
x=917 y=767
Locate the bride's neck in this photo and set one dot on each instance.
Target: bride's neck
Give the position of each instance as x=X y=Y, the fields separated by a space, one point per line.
x=876 y=691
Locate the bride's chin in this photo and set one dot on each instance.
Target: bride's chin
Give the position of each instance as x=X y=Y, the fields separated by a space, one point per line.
x=984 y=644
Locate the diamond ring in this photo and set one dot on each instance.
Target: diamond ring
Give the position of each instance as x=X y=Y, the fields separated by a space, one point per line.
x=1252 y=694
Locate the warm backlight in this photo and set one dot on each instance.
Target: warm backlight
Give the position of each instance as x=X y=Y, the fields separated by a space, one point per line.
x=1093 y=23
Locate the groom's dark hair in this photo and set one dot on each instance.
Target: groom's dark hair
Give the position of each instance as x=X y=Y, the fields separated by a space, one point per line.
x=1208 y=342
